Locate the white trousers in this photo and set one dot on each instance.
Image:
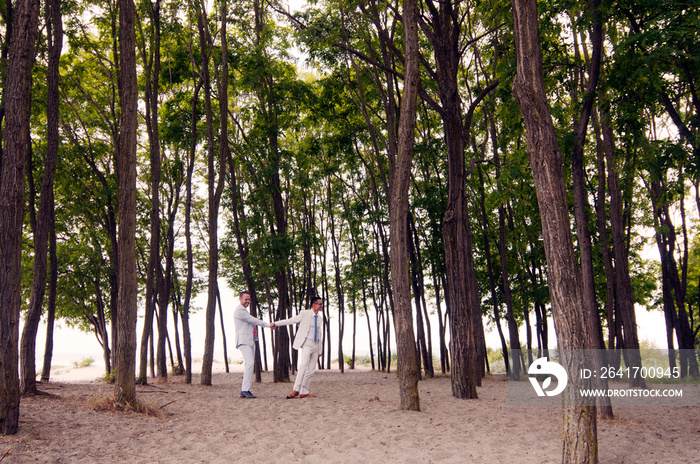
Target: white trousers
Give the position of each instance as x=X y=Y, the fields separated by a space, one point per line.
x=248 y=367
x=306 y=367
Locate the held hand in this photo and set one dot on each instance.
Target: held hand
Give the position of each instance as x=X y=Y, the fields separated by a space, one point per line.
x=273 y=326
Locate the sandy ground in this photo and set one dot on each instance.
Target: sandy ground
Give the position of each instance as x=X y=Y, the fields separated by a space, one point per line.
x=354 y=418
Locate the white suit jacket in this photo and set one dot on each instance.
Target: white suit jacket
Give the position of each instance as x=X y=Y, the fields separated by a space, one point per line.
x=244 y=326
x=305 y=319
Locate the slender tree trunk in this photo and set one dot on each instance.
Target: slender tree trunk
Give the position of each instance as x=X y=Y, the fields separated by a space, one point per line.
x=489 y=270
x=513 y=335
x=152 y=70
x=603 y=237
x=424 y=343
x=579 y=428
x=461 y=285
x=444 y=353
x=369 y=327
x=44 y=216
x=166 y=288
x=335 y=250
x=212 y=284
x=623 y=282
x=113 y=203
x=670 y=314
x=354 y=329
x=215 y=187
x=125 y=387
x=400 y=170
x=99 y=322
x=186 y=338
x=581 y=206
x=515 y=349
x=666 y=239
x=179 y=368
x=223 y=329
x=51 y=309
x=152 y=349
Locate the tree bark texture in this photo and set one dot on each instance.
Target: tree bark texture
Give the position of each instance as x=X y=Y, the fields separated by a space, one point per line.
x=17 y=93
x=125 y=386
x=213 y=206
x=44 y=216
x=580 y=442
x=398 y=203
x=461 y=286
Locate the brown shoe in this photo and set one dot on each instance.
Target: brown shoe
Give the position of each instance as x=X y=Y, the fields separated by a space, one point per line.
x=307 y=395
x=293 y=395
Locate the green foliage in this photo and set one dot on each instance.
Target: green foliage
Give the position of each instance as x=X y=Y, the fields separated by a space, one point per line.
x=85 y=362
x=109 y=378
x=317 y=138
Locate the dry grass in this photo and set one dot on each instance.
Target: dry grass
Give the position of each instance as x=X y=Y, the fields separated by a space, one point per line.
x=109 y=404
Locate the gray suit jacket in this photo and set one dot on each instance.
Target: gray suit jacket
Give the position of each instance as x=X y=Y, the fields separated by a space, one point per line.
x=244 y=326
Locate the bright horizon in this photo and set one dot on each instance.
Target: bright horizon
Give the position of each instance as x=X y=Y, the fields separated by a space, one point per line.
x=72 y=345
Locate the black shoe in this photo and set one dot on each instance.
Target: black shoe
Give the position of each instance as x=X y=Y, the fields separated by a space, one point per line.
x=247 y=394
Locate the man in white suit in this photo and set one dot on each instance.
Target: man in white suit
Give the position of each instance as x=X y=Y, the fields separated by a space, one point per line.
x=246 y=334
x=309 y=341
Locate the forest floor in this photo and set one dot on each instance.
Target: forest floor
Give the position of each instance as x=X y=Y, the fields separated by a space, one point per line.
x=354 y=418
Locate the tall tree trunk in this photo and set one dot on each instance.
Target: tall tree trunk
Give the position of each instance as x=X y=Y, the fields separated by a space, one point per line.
x=44 y=216
x=224 y=149
x=581 y=206
x=186 y=338
x=335 y=250
x=153 y=283
x=579 y=428
x=166 y=283
x=125 y=386
x=603 y=237
x=162 y=281
x=113 y=203
x=400 y=170
x=210 y=312
x=17 y=92
x=215 y=189
x=461 y=286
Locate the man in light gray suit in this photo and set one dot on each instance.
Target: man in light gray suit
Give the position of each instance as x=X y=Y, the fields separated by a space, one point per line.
x=309 y=340
x=246 y=334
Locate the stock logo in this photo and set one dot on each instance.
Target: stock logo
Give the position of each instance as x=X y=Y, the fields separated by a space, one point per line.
x=542 y=366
